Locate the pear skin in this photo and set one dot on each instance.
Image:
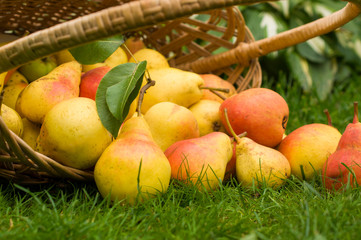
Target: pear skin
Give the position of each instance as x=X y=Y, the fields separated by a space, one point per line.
x=132 y=164
x=261 y=112
x=73 y=134
x=308 y=148
x=173 y=85
x=207 y=115
x=11 y=94
x=343 y=167
x=12 y=120
x=30 y=133
x=257 y=164
x=169 y=123
x=201 y=161
x=154 y=58
x=41 y=95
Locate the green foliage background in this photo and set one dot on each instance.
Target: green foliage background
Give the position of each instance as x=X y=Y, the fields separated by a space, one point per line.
x=317 y=64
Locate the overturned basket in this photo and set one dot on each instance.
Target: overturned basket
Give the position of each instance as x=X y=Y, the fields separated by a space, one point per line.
x=170 y=26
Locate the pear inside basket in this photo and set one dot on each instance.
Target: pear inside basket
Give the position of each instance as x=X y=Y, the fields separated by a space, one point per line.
x=60 y=123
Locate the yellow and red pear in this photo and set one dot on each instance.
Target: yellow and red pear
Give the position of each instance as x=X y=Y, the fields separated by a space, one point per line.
x=261 y=112
x=41 y=95
x=133 y=166
x=201 y=161
x=344 y=165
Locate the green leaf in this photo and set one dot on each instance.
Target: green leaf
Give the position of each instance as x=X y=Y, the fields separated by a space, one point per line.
x=116 y=91
x=96 y=51
x=323 y=76
x=300 y=70
x=121 y=95
x=315 y=50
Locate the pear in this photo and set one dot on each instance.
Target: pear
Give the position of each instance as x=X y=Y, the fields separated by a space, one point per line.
x=133 y=166
x=132 y=45
x=214 y=81
x=154 y=58
x=42 y=94
x=258 y=165
x=173 y=85
x=73 y=134
x=169 y=123
x=308 y=147
x=11 y=94
x=12 y=120
x=117 y=57
x=30 y=133
x=260 y=112
x=207 y=115
x=63 y=56
x=16 y=78
x=343 y=167
x=201 y=161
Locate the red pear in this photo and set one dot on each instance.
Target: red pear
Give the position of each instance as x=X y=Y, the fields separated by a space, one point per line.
x=90 y=81
x=260 y=112
x=344 y=165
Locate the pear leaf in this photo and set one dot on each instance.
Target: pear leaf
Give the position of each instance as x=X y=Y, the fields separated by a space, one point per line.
x=121 y=95
x=96 y=51
x=124 y=81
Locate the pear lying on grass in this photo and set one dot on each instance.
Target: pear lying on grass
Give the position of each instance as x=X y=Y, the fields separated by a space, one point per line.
x=133 y=167
x=201 y=161
x=258 y=165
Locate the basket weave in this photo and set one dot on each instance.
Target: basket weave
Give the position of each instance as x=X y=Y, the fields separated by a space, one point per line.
x=169 y=26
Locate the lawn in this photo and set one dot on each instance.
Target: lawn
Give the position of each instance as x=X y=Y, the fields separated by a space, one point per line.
x=298 y=210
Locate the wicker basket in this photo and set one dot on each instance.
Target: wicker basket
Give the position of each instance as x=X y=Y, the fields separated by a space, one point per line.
x=166 y=25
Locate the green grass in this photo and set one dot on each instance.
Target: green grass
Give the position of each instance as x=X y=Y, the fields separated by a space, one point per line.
x=298 y=210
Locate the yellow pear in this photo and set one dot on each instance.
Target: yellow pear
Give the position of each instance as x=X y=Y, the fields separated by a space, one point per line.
x=170 y=123
x=73 y=134
x=63 y=56
x=258 y=165
x=16 y=78
x=12 y=120
x=11 y=94
x=118 y=57
x=172 y=85
x=42 y=94
x=30 y=133
x=2 y=80
x=132 y=164
x=154 y=58
x=207 y=115
x=201 y=161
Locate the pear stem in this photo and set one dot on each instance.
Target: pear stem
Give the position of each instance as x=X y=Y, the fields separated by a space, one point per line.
x=237 y=138
x=225 y=90
x=355 y=110
x=329 y=121
x=142 y=91
x=218 y=94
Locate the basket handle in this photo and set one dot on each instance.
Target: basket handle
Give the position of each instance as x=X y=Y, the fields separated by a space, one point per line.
x=111 y=21
x=245 y=52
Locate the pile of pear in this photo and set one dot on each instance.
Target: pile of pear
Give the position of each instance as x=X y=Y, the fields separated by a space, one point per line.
x=183 y=131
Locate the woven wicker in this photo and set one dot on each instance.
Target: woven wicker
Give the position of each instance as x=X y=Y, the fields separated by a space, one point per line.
x=166 y=25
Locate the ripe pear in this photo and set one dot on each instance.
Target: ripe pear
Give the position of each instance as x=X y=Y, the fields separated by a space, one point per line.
x=41 y=95
x=73 y=134
x=214 y=81
x=258 y=165
x=16 y=78
x=90 y=81
x=260 y=112
x=30 y=133
x=154 y=58
x=169 y=123
x=116 y=58
x=38 y=68
x=207 y=115
x=231 y=166
x=63 y=56
x=201 y=161
x=133 y=44
x=12 y=120
x=308 y=147
x=173 y=85
x=132 y=164
x=344 y=165
x=11 y=94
